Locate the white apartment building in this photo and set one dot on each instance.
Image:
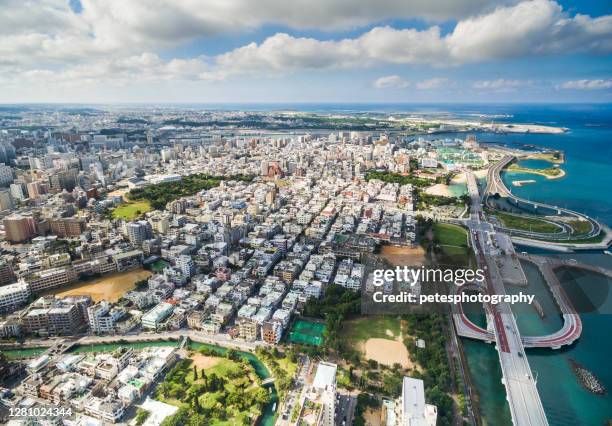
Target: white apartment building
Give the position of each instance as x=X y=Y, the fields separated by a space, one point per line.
x=13 y=295
x=51 y=278
x=101 y=319
x=155 y=316
x=186 y=265
x=324 y=384
x=414 y=410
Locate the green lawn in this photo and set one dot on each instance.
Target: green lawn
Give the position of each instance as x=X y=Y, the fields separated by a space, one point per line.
x=551 y=171
x=592 y=240
x=453 y=243
x=131 y=210
x=526 y=223
x=450 y=235
x=371 y=327
x=580 y=226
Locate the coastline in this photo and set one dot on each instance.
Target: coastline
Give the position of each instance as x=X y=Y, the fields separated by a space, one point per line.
x=439 y=189
x=518 y=169
x=461 y=178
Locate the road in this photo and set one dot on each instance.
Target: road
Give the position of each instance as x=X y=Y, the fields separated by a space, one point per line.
x=345 y=409
x=521 y=391
x=195 y=335
x=495 y=184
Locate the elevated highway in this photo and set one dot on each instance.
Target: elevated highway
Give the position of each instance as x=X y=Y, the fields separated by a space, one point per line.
x=521 y=390
x=496 y=185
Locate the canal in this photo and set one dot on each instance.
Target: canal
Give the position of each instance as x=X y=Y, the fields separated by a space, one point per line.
x=262 y=371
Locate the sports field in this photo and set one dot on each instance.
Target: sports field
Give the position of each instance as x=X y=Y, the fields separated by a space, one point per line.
x=307 y=332
x=132 y=210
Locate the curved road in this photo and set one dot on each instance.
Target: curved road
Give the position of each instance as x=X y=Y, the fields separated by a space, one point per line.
x=495 y=184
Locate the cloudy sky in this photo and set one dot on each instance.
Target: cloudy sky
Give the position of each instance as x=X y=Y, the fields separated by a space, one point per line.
x=305 y=51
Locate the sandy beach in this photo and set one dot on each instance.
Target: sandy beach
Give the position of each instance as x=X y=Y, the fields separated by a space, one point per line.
x=461 y=178
x=439 y=189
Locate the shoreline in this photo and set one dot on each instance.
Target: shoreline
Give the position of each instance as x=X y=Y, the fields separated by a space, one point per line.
x=518 y=169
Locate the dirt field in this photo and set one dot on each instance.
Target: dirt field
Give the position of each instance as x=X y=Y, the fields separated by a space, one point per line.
x=372 y=417
x=387 y=352
x=203 y=361
x=109 y=287
x=404 y=256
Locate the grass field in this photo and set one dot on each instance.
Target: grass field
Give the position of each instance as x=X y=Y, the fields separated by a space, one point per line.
x=580 y=226
x=453 y=243
x=360 y=330
x=526 y=223
x=132 y=210
x=378 y=338
x=450 y=235
x=307 y=332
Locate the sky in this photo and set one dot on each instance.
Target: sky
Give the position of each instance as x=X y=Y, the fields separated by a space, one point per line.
x=298 y=51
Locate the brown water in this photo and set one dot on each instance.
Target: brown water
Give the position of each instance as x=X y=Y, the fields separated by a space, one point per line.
x=109 y=287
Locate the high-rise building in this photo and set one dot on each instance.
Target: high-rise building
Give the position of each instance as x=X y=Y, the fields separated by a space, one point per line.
x=6 y=175
x=37 y=188
x=12 y=296
x=6 y=200
x=18 y=228
x=6 y=272
x=414 y=410
x=324 y=384
x=51 y=278
x=186 y=265
x=64 y=179
x=57 y=320
x=102 y=318
x=67 y=227
x=139 y=231
x=18 y=190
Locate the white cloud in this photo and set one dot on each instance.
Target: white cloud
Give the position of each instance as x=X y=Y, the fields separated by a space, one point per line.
x=390 y=82
x=597 y=84
x=537 y=27
x=119 y=40
x=500 y=85
x=433 y=84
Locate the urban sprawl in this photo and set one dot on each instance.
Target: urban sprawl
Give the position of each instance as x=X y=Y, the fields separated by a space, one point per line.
x=225 y=234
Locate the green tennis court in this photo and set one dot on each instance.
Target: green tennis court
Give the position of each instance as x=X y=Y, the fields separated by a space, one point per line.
x=307 y=332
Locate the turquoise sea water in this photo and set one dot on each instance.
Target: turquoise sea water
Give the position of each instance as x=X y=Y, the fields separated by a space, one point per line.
x=586 y=187
x=535 y=164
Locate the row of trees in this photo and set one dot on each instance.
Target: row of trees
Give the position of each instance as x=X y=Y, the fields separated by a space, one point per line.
x=337 y=305
x=433 y=358
x=162 y=193
x=389 y=177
